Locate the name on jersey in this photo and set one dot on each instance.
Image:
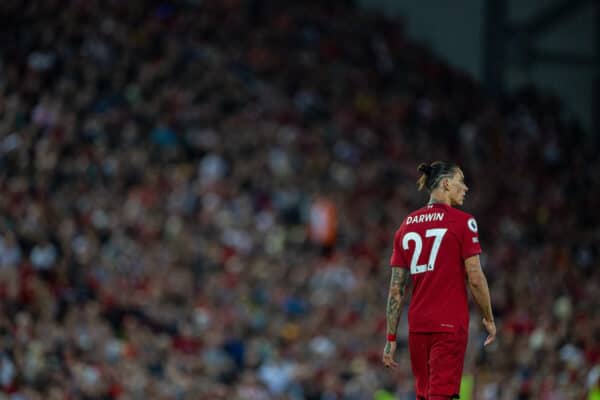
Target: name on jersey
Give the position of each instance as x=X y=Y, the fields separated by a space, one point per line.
x=417 y=219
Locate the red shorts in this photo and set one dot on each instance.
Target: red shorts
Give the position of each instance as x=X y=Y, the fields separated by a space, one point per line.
x=437 y=362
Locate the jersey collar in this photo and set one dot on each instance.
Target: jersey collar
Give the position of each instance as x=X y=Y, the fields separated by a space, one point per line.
x=438 y=205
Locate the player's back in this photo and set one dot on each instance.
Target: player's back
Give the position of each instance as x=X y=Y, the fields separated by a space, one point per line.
x=433 y=243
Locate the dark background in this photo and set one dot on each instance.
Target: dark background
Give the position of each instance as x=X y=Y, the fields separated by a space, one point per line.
x=552 y=44
x=198 y=200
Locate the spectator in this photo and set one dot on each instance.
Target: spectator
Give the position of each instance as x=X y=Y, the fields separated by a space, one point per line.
x=158 y=167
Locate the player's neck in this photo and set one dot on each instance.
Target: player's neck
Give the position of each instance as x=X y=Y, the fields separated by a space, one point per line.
x=437 y=199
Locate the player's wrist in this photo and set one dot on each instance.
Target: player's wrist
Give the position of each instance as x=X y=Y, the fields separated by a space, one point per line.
x=391 y=337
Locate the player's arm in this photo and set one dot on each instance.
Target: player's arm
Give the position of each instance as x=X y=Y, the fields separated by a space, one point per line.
x=398 y=283
x=481 y=293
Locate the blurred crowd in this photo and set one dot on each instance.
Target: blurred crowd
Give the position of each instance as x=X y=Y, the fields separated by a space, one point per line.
x=198 y=200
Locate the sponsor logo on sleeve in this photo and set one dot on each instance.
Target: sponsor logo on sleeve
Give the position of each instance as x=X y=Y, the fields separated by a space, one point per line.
x=472 y=225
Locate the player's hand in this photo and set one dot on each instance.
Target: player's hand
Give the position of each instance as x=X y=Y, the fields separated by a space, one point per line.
x=388 y=355
x=490 y=327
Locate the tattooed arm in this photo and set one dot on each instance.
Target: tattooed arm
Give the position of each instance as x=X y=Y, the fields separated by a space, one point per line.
x=394 y=309
x=395 y=297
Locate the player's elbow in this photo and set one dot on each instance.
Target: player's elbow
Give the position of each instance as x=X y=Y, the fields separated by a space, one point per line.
x=395 y=293
x=475 y=276
x=476 y=280
x=475 y=283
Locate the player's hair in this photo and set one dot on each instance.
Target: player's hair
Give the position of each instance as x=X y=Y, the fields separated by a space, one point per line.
x=433 y=173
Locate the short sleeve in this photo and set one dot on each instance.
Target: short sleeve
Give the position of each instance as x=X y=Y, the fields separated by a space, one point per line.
x=470 y=243
x=397 y=259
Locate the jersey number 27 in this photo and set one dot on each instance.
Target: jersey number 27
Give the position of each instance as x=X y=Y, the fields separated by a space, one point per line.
x=437 y=234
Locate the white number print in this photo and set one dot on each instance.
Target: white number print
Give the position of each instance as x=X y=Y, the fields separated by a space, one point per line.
x=437 y=234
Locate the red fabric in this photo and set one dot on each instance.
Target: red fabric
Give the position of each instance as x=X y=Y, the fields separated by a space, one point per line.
x=439 y=300
x=437 y=362
x=115 y=390
x=186 y=344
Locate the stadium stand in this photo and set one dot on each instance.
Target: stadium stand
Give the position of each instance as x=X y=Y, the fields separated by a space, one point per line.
x=163 y=165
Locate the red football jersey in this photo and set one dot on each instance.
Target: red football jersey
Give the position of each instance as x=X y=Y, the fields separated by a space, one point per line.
x=433 y=243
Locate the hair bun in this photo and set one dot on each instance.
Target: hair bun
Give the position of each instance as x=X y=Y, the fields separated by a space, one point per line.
x=425 y=168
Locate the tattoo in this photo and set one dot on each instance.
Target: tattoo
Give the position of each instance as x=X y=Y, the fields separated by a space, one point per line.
x=388 y=348
x=396 y=294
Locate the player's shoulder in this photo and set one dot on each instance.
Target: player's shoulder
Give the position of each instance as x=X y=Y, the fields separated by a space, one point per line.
x=460 y=213
x=464 y=217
